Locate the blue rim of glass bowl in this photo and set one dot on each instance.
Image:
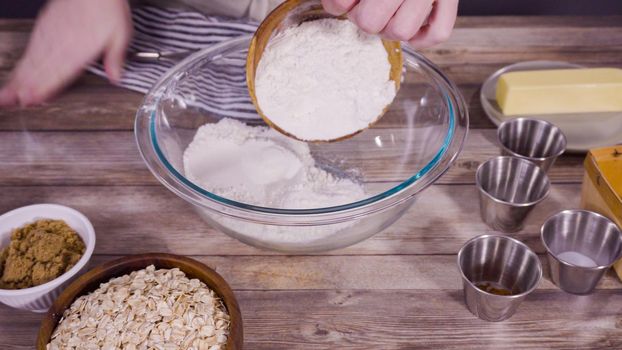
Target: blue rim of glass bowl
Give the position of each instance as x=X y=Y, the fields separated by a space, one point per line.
x=354 y=205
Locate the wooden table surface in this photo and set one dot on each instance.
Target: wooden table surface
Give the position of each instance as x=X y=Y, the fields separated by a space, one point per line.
x=399 y=289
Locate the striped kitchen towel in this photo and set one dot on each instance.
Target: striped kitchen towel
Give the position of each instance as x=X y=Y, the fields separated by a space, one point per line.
x=221 y=88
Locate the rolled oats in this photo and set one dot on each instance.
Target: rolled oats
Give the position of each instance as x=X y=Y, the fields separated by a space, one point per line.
x=147 y=309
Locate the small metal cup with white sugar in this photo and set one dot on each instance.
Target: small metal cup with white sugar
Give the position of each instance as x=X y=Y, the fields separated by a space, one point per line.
x=581 y=246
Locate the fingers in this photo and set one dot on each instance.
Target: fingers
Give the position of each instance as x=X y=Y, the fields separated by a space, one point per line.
x=38 y=74
x=422 y=23
x=67 y=36
x=408 y=19
x=114 y=53
x=46 y=68
x=8 y=96
x=13 y=90
x=338 y=7
x=54 y=56
x=440 y=25
x=372 y=16
x=113 y=62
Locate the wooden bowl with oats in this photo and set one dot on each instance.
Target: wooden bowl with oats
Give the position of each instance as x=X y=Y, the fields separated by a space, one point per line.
x=89 y=284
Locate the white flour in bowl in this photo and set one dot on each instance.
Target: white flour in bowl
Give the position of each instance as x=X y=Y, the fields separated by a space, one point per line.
x=259 y=166
x=324 y=79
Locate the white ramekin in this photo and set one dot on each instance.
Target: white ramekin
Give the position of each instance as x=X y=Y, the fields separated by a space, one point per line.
x=40 y=298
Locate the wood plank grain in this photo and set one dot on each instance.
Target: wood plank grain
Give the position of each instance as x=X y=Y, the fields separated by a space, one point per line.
x=372 y=272
x=399 y=319
x=93 y=104
x=473 y=32
x=107 y=107
x=89 y=104
x=112 y=158
x=131 y=220
x=399 y=289
x=534 y=36
x=538 y=21
x=476 y=49
x=12 y=45
x=439 y=320
x=471 y=73
x=16 y=25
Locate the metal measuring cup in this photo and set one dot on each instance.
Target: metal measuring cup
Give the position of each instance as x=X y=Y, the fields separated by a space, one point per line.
x=509 y=188
x=581 y=245
x=497 y=263
x=535 y=140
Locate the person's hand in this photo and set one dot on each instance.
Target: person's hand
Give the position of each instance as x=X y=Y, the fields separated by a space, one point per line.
x=68 y=35
x=422 y=23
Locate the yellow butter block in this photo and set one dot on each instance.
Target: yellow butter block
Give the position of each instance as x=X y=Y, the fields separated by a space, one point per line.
x=581 y=90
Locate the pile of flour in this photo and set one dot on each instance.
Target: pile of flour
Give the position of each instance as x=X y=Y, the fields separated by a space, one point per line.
x=259 y=166
x=324 y=79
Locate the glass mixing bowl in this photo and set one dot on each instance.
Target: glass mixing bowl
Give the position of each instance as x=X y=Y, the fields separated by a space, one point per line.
x=416 y=141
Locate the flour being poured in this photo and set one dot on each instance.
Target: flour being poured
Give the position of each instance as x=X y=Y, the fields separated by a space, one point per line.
x=259 y=166
x=324 y=79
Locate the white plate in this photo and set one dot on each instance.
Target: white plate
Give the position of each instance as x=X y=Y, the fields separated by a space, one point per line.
x=583 y=131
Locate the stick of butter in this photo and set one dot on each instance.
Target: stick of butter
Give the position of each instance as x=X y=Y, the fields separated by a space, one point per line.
x=579 y=90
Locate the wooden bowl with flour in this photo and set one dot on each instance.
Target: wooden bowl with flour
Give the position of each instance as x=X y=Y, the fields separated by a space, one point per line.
x=292 y=13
